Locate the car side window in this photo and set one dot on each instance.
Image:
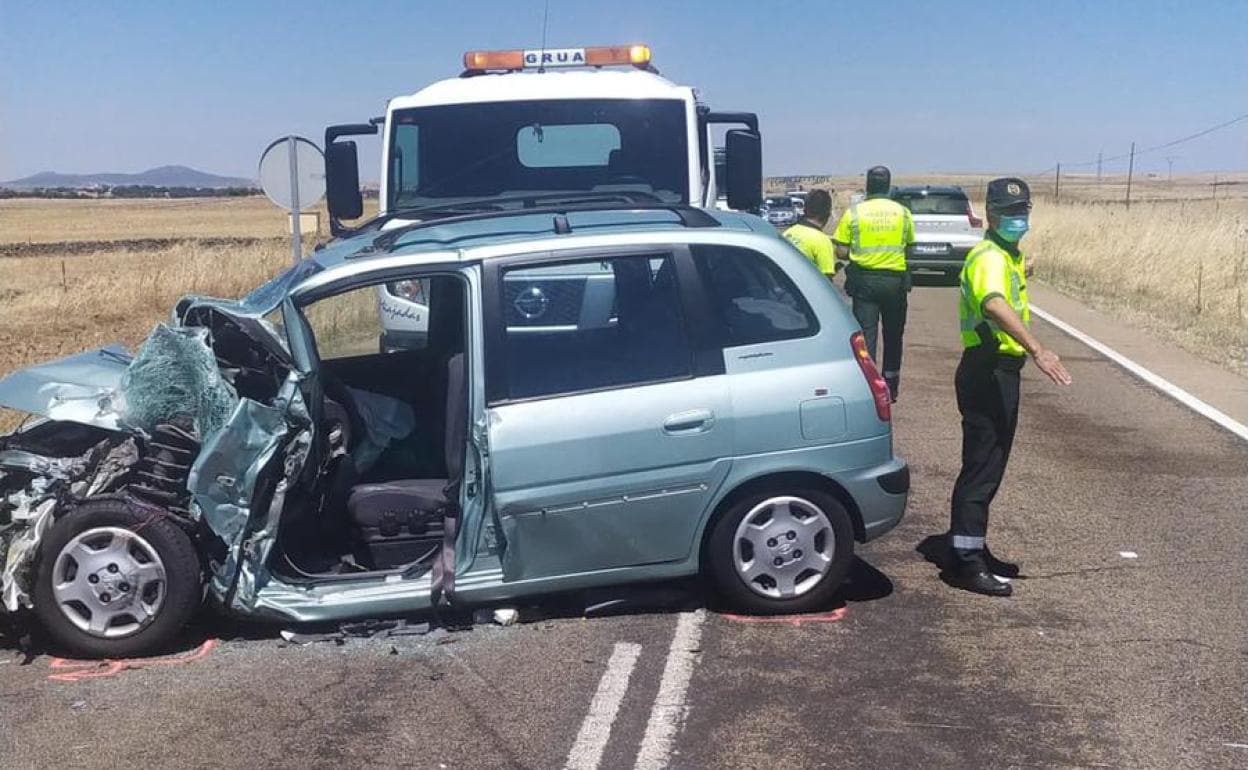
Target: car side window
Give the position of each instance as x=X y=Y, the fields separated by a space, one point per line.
x=371 y=319
x=345 y=325
x=754 y=301
x=591 y=324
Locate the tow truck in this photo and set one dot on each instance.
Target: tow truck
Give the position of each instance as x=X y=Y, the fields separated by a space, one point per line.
x=546 y=128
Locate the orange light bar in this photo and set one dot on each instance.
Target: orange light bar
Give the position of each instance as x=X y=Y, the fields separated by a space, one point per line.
x=597 y=56
x=478 y=61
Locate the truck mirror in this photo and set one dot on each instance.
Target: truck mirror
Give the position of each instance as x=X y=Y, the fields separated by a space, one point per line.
x=342 y=181
x=745 y=169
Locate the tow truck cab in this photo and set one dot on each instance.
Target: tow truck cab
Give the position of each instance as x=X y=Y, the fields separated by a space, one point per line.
x=543 y=123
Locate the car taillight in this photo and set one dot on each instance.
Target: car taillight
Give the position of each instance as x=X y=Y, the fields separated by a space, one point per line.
x=970 y=216
x=875 y=381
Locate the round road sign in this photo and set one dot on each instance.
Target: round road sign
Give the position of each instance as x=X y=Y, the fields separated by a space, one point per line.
x=293 y=169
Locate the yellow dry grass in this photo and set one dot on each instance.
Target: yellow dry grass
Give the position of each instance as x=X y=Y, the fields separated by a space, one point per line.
x=46 y=221
x=1182 y=265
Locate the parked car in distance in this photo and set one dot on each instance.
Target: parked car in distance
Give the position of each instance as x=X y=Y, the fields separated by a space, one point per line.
x=779 y=210
x=946 y=228
x=606 y=393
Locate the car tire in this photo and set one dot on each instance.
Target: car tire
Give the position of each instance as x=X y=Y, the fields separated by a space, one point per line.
x=729 y=545
x=146 y=561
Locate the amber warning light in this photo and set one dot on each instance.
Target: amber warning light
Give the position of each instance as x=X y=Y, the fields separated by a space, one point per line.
x=597 y=56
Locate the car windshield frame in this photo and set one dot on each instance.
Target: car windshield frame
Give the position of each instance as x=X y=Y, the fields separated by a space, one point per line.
x=652 y=156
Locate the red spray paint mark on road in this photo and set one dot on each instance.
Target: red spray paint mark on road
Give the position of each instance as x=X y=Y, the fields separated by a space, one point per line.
x=78 y=670
x=791 y=620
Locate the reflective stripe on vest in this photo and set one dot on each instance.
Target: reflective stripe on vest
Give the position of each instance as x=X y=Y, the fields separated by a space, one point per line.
x=882 y=251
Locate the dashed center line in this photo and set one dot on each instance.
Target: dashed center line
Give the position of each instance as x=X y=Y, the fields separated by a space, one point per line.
x=669 y=705
x=586 y=753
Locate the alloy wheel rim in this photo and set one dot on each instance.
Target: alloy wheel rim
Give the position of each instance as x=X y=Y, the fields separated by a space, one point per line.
x=783 y=547
x=109 y=582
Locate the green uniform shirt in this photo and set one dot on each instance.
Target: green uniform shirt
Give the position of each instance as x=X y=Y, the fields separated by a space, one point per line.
x=991 y=271
x=877 y=232
x=815 y=244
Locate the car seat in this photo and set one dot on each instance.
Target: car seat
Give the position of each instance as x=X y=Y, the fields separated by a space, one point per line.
x=401 y=522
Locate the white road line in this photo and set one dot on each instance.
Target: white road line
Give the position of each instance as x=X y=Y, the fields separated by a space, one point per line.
x=1158 y=382
x=586 y=752
x=669 y=705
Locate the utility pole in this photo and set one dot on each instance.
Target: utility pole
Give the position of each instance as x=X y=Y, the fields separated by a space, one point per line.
x=1130 y=172
x=1057 y=185
x=1098 y=166
x=1170 y=159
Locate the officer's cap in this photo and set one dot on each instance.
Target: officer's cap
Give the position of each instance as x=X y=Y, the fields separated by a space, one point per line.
x=1007 y=193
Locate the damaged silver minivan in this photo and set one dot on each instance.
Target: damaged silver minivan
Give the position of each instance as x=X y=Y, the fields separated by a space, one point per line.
x=603 y=395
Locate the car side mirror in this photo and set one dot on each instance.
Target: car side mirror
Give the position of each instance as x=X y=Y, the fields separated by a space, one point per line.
x=342 y=181
x=744 y=151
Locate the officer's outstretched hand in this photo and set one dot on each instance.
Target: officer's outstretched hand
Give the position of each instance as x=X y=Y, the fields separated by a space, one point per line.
x=1051 y=365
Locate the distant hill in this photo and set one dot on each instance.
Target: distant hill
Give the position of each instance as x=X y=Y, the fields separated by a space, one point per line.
x=164 y=176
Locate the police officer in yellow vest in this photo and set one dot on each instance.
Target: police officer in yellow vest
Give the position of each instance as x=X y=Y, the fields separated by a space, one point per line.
x=994 y=316
x=874 y=235
x=808 y=235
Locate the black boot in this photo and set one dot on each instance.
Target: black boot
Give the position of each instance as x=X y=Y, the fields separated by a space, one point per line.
x=1005 y=569
x=977 y=579
x=894 y=385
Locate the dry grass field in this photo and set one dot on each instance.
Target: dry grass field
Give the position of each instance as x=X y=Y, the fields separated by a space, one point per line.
x=78 y=274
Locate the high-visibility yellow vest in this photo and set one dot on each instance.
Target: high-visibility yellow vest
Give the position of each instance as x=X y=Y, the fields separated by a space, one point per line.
x=815 y=244
x=990 y=271
x=877 y=231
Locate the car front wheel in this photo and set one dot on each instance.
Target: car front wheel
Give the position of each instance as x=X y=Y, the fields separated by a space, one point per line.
x=113 y=581
x=781 y=552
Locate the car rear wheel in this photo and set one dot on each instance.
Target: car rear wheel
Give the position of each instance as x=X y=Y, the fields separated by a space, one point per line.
x=113 y=581
x=781 y=552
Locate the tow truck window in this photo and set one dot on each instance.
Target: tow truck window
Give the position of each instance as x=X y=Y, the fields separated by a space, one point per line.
x=453 y=152
x=590 y=144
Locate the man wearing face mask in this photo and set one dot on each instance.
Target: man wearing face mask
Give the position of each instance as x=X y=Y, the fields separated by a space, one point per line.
x=995 y=316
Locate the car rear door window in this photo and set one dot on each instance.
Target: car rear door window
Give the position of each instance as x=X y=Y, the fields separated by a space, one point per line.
x=573 y=326
x=753 y=300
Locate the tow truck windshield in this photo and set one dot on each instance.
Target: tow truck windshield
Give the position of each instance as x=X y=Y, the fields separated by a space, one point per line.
x=445 y=153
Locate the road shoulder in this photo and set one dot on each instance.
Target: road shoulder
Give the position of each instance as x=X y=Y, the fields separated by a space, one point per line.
x=1213 y=384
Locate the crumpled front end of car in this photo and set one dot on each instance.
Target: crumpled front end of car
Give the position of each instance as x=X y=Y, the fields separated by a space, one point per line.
x=189 y=428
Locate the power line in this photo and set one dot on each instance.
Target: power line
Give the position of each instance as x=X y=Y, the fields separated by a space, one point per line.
x=1164 y=145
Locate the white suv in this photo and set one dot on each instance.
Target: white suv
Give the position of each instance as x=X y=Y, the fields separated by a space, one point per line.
x=945 y=228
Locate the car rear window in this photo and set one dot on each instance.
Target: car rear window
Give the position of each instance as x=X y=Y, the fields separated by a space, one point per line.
x=944 y=203
x=753 y=299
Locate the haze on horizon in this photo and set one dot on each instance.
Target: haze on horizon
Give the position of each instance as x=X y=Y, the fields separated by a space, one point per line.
x=921 y=87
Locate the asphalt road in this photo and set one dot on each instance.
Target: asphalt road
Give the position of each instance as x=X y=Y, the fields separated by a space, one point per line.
x=1125 y=645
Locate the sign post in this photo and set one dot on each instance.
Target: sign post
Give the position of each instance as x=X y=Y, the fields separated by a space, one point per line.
x=296 y=235
x=292 y=174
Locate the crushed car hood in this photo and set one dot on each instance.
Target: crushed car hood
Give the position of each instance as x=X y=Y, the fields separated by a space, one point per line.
x=80 y=388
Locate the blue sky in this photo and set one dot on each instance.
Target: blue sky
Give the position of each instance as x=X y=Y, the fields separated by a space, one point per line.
x=919 y=86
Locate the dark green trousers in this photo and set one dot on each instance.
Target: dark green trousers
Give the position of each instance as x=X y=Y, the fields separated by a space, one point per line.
x=880 y=299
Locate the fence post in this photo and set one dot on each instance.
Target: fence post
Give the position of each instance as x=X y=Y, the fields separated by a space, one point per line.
x=1130 y=172
x=1057 y=185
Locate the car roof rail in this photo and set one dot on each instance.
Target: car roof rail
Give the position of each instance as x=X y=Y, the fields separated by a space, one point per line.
x=686 y=215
